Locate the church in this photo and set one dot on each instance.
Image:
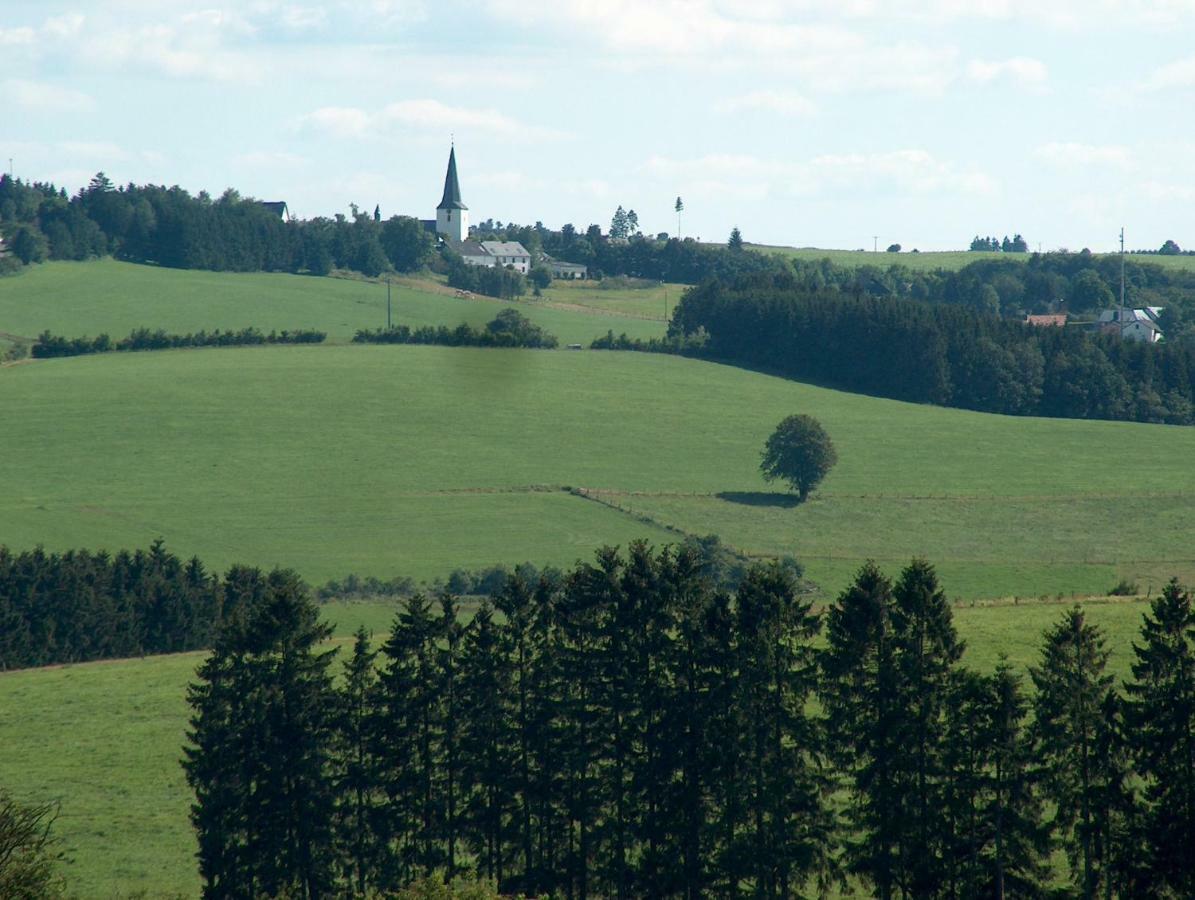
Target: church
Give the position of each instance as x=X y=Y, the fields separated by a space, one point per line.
x=452 y=226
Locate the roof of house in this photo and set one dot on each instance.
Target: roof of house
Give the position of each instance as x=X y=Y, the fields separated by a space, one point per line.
x=561 y=264
x=277 y=207
x=452 y=187
x=1052 y=319
x=1127 y=316
x=467 y=248
x=505 y=248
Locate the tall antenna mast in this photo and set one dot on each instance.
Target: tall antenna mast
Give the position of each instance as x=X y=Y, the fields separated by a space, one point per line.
x=1122 y=272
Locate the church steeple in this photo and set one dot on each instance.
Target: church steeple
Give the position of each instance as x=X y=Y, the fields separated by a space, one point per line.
x=452 y=187
x=452 y=216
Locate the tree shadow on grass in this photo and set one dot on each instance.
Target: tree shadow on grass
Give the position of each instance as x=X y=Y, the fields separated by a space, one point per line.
x=760 y=498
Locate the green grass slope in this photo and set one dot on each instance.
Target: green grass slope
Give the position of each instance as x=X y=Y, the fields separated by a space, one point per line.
x=939 y=259
x=413 y=460
x=104 y=739
x=74 y=299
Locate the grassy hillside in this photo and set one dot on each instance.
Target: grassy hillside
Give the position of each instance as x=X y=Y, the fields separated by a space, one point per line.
x=413 y=460
x=648 y=302
x=947 y=259
x=104 y=739
x=74 y=299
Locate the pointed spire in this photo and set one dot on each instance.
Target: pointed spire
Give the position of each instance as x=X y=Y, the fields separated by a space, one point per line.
x=452 y=187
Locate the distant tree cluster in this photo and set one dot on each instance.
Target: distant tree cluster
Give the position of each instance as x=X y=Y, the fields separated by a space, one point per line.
x=630 y=729
x=509 y=328
x=79 y=606
x=950 y=356
x=48 y=345
x=504 y=282
x=1016 y=245
x=170 y=227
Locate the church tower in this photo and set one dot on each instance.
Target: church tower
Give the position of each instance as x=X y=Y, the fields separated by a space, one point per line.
x=452 y=216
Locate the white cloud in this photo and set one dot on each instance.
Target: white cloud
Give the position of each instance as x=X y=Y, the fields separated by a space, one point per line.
x=421 y=115
x=1021 y=69
x=508 y=181
x=1071 y=153
x=1177 y=75
x=783 y=103
x=36 y=95
x=709 y=34
x=271 y=159
x=15 y=37
x=903 y=171
x=1168 y=192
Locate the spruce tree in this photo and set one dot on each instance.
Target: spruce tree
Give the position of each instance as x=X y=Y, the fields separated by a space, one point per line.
x=408 y=747
x=786 y=829
x=927 y=649
x=860 y=693
x=359 y=808
x=1161 y=720
x=259 y=748
x=519 y=647
x=1069 y=730
x=1015 y=859
x=488 y=746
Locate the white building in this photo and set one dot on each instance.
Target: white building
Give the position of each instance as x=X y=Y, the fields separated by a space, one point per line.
x=1132 y=324
x=509 y=253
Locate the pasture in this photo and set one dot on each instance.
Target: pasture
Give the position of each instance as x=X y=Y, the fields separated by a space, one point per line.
x=634 y=298
x=415 y=460
x=942 y=259
x=104 y=739
x=75 y=299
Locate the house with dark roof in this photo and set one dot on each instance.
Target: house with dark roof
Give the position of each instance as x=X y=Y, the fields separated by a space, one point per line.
x=1132 y=324
x=277 y=207
x=566 y=271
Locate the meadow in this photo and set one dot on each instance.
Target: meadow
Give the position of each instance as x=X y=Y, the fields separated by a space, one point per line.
x=650 y=300
x=104 y=740
x=75 y=299
x=386 y=461
x=941 y=259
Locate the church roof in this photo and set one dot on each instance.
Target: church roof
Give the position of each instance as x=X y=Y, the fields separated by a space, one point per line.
x=452 y=187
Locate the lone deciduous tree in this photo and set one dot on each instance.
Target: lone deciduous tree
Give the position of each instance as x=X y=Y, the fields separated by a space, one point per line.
x=27 y=851
x=800 y=452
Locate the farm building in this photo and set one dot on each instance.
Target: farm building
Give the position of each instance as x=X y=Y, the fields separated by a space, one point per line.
x=1132 y=324
x=566 y=271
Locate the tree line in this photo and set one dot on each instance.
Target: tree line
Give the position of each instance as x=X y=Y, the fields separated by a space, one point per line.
x=49 y=345
x=171 y=227
x=633 y=730
x=509 y=328
x=79 y=605
x=946 y=355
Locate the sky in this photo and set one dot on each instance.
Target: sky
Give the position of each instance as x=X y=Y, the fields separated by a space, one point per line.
x=828 y=123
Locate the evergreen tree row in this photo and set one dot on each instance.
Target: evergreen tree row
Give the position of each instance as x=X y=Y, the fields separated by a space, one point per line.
x=78 y=606
x=509 y=328
x=48 y=345
x=950 y=356
x=634 y=731
x=170 y=227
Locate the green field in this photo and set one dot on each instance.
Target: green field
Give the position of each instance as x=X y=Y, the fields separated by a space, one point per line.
x=939 y=259
x=74 y=299
x=104 y=740
x=414 y=460
x=643 y=302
